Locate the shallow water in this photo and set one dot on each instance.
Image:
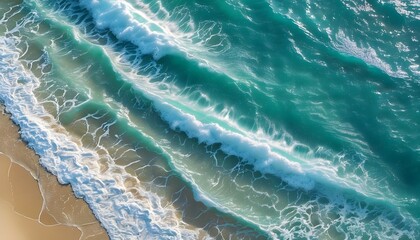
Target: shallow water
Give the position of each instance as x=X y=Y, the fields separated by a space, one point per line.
x=235 y=119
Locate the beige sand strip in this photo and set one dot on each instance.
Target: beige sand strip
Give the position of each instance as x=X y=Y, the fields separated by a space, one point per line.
x=33 y=205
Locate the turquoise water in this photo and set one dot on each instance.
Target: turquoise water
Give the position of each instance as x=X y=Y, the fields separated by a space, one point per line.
x=224 y=119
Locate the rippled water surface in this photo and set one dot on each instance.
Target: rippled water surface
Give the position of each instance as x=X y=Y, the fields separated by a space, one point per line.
x=223 y=119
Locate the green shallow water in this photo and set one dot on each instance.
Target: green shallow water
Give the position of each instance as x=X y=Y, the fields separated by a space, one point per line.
x=251 y=119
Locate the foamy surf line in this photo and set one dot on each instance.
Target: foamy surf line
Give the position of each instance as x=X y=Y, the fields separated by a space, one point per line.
x=157 y=37
x=115 y=16
x=257 y=154
x=121 y=215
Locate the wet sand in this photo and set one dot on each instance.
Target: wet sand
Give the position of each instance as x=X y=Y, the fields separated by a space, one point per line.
x=33 y=205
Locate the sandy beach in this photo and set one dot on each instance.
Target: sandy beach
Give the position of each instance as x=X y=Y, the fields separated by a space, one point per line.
x=33 y=205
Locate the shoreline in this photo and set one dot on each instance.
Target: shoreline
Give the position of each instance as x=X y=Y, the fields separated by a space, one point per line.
x=35 y=204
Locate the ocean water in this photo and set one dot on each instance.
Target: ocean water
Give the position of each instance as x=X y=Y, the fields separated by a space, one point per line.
x=245 y=119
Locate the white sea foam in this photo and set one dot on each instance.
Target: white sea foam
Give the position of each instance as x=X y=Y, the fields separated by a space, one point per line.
x=256 y=153
x=266 y=155
x=203 y=41
x=122 y=215
x=345 y=45
x=155 y=36
x=131 y=25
